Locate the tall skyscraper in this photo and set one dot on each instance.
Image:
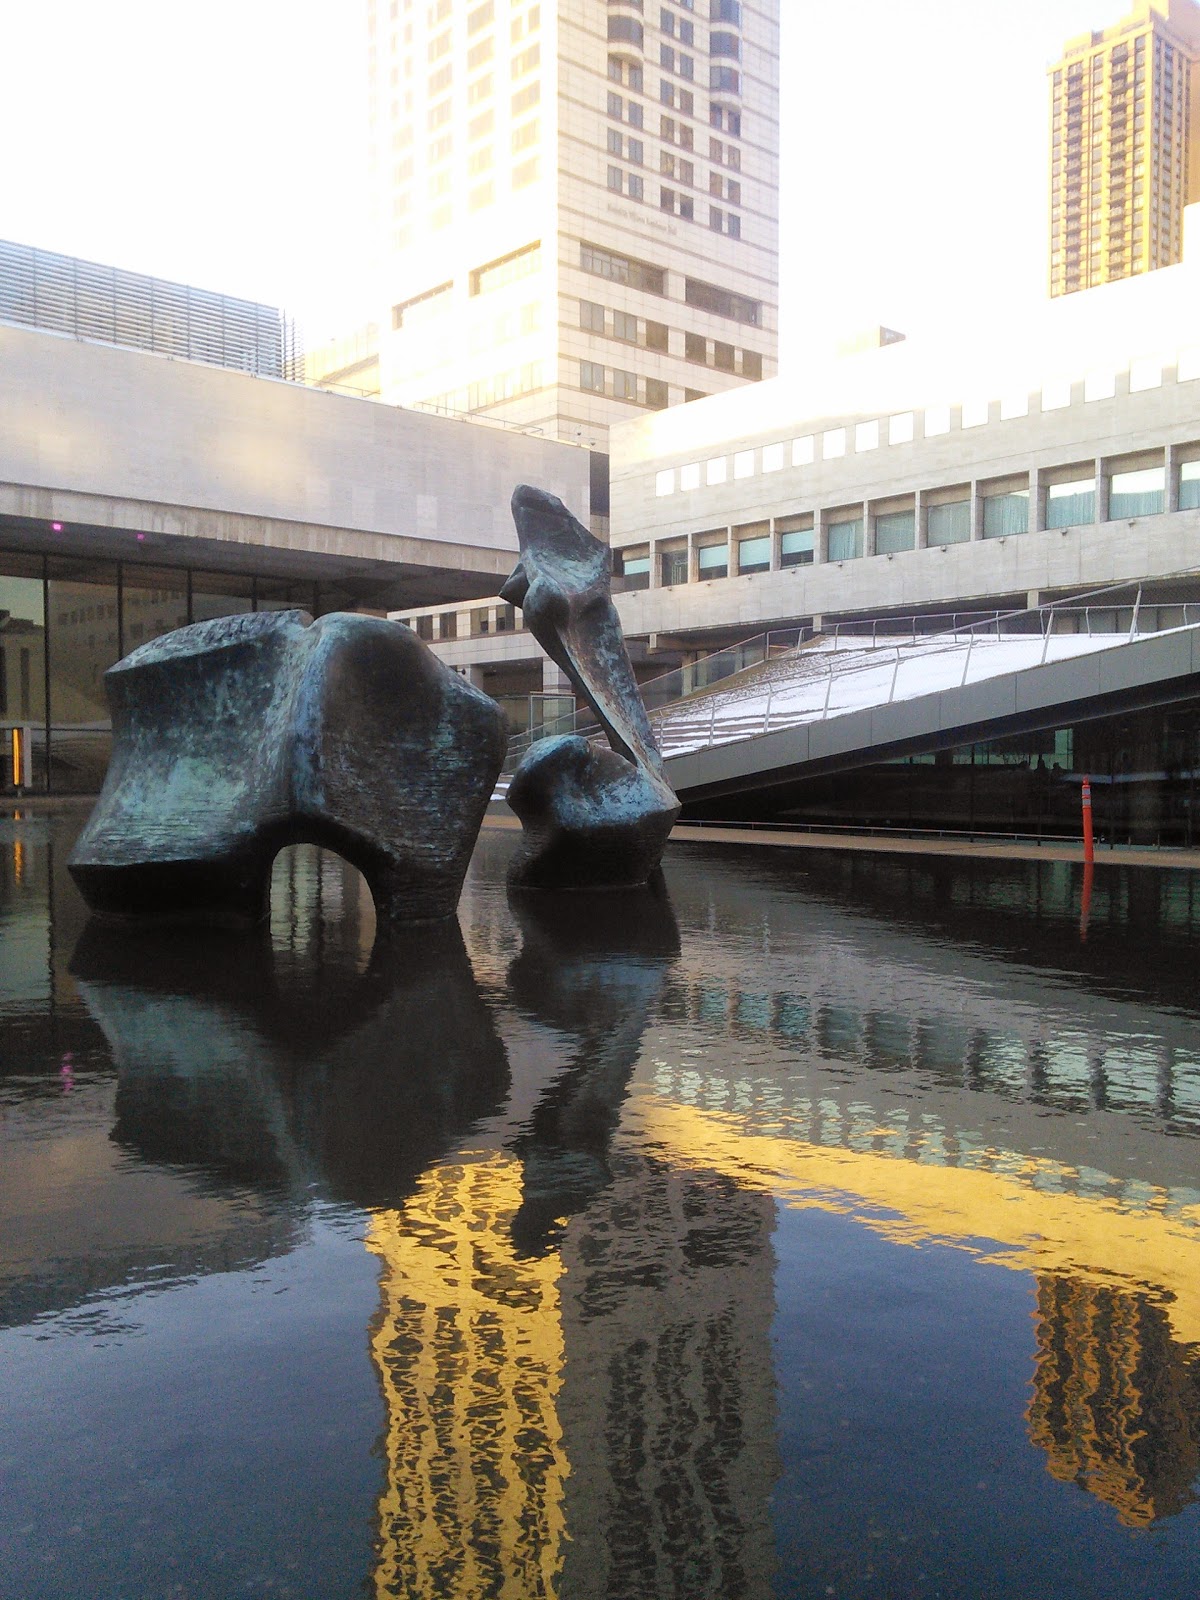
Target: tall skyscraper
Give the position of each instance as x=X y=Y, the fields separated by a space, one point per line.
x=1124 y=146
x=577 y=204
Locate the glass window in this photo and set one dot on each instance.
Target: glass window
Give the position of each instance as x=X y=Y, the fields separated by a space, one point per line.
x=154 y=601
x=950 y=523
x=657 y=397
x=1004 y=514
x=625 y=326
x=796 y=547
x=625 y=30
x=895 y=530
x=624 y=384
x=714 y=560
x=846 y=539
x=636 y=572
x=664 y=482
x=220 y=594
x=84 y=643
x=1136 y=494
x=754 y=555
x=772 y=458
x=1189 y=487
x=591 y=376
x=1068 y=505
x=23 y=654
x=674 y=566
x=591 y=316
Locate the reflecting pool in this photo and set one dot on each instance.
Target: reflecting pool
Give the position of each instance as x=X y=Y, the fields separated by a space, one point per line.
x=814 y=1225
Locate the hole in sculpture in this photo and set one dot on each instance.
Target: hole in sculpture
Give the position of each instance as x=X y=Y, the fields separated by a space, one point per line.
x=321 y=907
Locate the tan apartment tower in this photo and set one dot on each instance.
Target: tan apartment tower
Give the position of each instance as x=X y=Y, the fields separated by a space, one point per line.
x=577 y=204
x=1124 y=146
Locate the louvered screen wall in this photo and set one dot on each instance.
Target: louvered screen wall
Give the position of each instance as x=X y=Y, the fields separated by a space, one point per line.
x=41 y=289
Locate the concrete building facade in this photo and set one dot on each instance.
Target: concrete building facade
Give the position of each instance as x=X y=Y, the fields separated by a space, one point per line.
x=576 y=204
x=140 y=493
x=1044 y=461
x=1124 y=145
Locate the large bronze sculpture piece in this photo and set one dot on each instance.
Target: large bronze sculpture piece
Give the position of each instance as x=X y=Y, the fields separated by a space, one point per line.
x=592 y=818
x=235 y=737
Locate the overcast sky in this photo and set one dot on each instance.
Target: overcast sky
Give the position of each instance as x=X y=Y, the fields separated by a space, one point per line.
x=223 y=144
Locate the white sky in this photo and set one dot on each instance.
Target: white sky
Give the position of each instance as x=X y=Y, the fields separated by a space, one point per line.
x=223 y=144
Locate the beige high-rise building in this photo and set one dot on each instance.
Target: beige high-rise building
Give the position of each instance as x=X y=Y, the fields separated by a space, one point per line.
x=1124 y=145
x=577 y=204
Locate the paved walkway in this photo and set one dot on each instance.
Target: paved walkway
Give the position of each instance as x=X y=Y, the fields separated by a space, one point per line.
x=876 y=844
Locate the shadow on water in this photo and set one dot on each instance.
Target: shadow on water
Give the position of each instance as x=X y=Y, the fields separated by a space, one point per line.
x=256 y=1070
x=592 y=967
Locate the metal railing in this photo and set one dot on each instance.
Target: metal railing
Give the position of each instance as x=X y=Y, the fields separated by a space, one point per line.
x=849 y=650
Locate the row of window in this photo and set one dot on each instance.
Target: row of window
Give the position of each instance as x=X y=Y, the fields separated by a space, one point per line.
x=1066 y=497
x=622 y=385
x=516 y=381
x=679 y=167
x=619 y=384
x=670 y=200
x=674 y=97
x=718 y=11
x=682 y=133
x=618 y=268
x=681 y=31
x=901 y=428
x=481 y=621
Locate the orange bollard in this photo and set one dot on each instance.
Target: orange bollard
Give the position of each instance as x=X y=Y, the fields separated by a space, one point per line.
x=1089 y=843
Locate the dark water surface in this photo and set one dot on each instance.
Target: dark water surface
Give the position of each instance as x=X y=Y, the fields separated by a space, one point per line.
x=822 y=1226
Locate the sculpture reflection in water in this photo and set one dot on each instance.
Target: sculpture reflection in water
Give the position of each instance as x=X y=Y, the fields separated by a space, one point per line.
x=351 y=1079
x=594 y=972
x=575 y=1334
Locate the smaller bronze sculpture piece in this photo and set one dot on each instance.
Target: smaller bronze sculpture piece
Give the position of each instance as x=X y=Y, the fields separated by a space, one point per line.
x=235 y=737
x=592 y=818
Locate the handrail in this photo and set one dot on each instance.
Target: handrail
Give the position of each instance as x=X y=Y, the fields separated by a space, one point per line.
x=832 y=655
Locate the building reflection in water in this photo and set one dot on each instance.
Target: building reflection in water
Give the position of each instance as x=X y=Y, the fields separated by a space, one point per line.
x=1116 y=1401
x=575 y=1343
x=573 y=1339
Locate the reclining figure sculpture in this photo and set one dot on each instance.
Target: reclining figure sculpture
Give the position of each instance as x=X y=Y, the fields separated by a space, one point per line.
x=235 y=737
x=592 y=818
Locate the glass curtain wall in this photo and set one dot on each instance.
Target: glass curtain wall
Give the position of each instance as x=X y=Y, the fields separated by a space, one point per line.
x=83 y=607
x=64 y=622
x=23 y=659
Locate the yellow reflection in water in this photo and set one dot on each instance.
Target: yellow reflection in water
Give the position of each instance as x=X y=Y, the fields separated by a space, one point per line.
x=468 y=1345
x=1155 y=1248
x=1116 y=1385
